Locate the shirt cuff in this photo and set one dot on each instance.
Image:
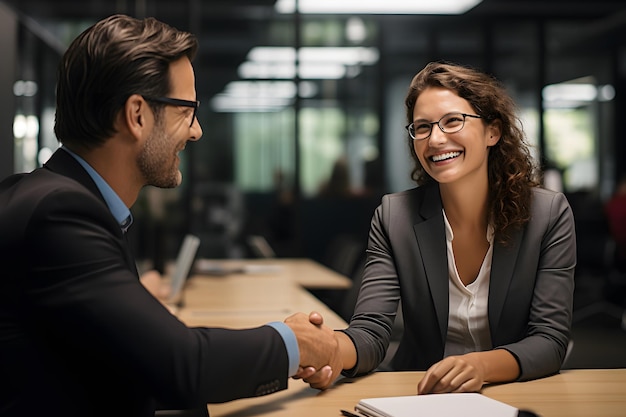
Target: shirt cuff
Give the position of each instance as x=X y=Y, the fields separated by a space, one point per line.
x=291 y=344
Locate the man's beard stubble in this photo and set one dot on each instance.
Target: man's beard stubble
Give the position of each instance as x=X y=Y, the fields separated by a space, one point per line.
x=157 y=160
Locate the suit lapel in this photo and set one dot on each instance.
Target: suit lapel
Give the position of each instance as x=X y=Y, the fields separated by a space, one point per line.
x=63 y=163
x=502 y=267
x=434 y=253
x=435 y=259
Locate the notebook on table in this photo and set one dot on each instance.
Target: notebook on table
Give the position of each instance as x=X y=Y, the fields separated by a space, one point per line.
x=435 y=405
x=184 y=261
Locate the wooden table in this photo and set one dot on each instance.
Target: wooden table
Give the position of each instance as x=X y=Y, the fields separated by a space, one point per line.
x=242 y=300
x=572 y=393
x=273 y=289
x=305 y=272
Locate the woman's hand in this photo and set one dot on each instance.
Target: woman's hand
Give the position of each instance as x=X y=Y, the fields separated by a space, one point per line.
x=469 y=372
x=321 y=379
x=453 y=374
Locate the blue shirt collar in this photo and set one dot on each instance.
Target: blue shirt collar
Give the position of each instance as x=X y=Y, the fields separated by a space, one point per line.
x=119 y=210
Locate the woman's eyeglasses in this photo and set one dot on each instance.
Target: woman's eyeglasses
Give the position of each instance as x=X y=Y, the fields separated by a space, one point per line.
x=449 y=123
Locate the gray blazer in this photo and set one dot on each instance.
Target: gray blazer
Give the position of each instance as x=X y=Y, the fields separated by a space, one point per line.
x=530 y=292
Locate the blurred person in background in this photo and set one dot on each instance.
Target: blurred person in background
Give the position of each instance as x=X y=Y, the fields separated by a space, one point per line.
x=615 y=209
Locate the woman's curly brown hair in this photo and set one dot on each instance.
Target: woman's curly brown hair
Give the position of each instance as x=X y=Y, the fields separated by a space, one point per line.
x=511 y=170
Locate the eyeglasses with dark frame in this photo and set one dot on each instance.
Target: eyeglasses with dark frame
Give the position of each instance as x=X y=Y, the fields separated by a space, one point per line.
x=177 y=102
x=449 y=123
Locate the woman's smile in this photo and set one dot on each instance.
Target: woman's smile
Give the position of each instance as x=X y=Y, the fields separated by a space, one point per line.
x=445 y=156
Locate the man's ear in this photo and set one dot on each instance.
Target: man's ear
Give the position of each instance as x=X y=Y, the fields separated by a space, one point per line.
x=494 y=130
x=136 y=115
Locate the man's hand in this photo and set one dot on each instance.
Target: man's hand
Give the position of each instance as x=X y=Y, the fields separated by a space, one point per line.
x=153 y=281
x=320 y=358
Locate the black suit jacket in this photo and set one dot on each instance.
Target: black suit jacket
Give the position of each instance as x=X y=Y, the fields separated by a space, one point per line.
x=531 y=285
x=79 y=334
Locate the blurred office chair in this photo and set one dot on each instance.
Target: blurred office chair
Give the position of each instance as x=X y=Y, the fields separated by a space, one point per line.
x=260 y=247
x=217 y=218
x=344 y=255
x=612 y=303
x=597 y=259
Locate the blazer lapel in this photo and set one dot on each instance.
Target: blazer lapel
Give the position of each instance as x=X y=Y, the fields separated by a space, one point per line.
x=434 y=253
x=63 y=163
x=502 y=267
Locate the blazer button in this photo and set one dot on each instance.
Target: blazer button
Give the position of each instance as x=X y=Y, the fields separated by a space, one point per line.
x=267 y=388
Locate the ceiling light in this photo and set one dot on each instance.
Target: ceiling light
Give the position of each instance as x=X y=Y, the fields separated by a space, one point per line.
x=266 y=62
x=267 y=70
x=376 y=6
x=349 y=55
x=571 y=95
x=226 y=104
x=356 y=31
x=272 y=53
x=321 y=71
x=345 y=55
x=286 y=70
x=260 y=96
x=570 y=92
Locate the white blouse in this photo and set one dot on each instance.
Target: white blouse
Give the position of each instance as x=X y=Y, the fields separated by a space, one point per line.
x=468 y=321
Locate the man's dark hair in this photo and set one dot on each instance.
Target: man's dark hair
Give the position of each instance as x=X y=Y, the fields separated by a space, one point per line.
x=107 y=63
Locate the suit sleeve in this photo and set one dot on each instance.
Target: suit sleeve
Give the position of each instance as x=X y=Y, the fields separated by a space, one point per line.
x=377 y=303
x=542 y=351
x=86 y=297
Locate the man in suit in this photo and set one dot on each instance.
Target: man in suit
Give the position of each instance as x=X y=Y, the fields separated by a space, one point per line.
x=79 y=334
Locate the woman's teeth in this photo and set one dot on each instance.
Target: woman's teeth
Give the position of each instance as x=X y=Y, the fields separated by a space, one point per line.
x=444 y=156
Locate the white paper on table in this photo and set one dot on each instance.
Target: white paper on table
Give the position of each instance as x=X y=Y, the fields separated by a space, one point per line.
x=436 y=405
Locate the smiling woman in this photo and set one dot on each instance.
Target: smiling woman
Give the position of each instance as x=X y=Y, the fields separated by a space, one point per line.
x=510 y=169
x=435 y=150
x=480 y=259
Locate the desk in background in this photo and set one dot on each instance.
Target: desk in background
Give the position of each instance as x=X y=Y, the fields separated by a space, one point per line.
x=572 y=393
x=305 y=272
x=271 y=290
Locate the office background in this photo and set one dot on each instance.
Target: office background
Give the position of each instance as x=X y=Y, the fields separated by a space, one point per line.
x=303 y=118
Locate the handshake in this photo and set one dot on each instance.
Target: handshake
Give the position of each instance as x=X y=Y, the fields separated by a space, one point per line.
x=320 y=355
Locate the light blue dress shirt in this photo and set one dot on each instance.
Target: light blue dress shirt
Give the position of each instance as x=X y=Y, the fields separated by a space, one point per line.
x=124 y=217
x=114 y=202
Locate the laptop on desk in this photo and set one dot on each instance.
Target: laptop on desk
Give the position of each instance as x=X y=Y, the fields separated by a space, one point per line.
x=184 y=261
